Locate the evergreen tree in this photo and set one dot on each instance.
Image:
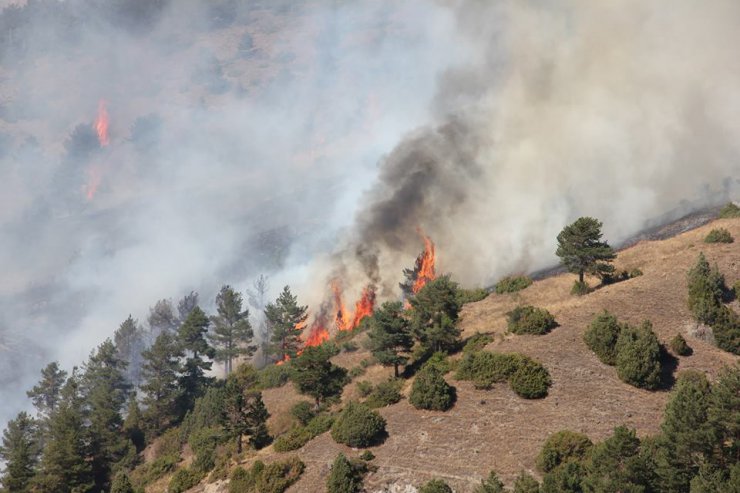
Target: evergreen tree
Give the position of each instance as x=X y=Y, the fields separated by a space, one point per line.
x=244 y=414
x=390 y=335
x=344 y=477
x=65 y=467
x=314 y=375
x=105 y=389
x=286 y=320
x=687 y=437
x=638 y=356
x=525 y=483
x=160 y=373
x=581 y=250
x=45 y=395
x=161 y=318
x=192 y=339
x=434 y=318
x=617 y=465
x=723 y=415
x=121 y=484
x=492 y=484
x=133 y=424
x=257 y=296
x=20 y=452
x=186 y=305
x=232 y=332
x=130 y=343
x=706 y=287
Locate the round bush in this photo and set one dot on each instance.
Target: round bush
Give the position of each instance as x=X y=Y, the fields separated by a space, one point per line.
x=638 y=356
x=513 y=284
x=358 y=426
x=435 y=486
x=601 y=337
x=303 y=412
x=531 y=380
x=385 y=394
x=431 y=391
x=486 y=368
x=561 y=447
x=530 y=320
x=679 y=346
x=719 y=235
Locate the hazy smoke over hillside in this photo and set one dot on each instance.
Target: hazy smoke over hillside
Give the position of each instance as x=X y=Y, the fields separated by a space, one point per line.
x=296 y=139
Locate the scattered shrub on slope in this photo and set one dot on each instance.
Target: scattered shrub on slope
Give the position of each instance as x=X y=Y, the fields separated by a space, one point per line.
x=513 y=284
x=601 y=337
x=431 y=391
x=358 y=426
x=531 y=380
x=561 y=447
x=638 y=356
x=530 y=320
x=719 y=235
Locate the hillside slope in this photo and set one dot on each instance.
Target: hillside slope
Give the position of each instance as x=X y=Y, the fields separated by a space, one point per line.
x=495 y=429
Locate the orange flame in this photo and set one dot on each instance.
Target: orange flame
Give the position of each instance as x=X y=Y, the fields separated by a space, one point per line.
x=364 y=306
x=317 y=335
x=94 y=177
x=101 y=124
x=425 y=265
x=343 y=319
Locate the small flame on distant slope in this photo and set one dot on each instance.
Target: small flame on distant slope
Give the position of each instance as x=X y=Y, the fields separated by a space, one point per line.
x=101 y=124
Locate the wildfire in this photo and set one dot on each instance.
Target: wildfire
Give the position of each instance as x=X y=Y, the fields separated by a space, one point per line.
x=364 y=306
x=343 y=319
x=317 y=334
x=101 y=124
x=94 y=177
x=425 y=265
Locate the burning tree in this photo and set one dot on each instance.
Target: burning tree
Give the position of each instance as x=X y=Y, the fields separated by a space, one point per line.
x=423 y=271
x=286 y=321
x=434 y=316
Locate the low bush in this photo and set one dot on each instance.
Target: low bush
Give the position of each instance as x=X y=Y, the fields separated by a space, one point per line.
x=601 y=337
x=485 y=368
x=358 y=426
x=438 y=360
x=492 y=484
x=679 y=346
x=345 y=476
x=184 y=479
x=203 y=442
x=272 y=478
x=356 y=371
x=367 y=456
x=349 y=347
x=726 y=329
x=638 y=356
x=568 y=478
x=530 y=320
x=430 y=391
x=580 y=288
x=471 y=295
x=719 y=235
x=320 y=424
x=273 y=376
x=635 y=273
x=530 y=380
x=435 y=486
x=303 y=412
x=513 y=284
x=364 y=388
x=729 y=211
x=477 y=342
x=385 y=394
x=526 y=483
x=298 y=436
x=561 y=447
x=152 y=471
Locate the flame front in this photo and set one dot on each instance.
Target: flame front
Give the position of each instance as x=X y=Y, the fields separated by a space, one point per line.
x=425 y=270
x=101 y=124
x=364 y=306
x=343 y=318
x=317 y=334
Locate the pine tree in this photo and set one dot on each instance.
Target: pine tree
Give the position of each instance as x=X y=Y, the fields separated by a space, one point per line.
x=20 y=452
x=160 y=372
x=45 y=395
x=285 y=319
x=344 y=477
x=581 y=250
x=133 y=424
x=187 y=304
x=65 y=467
x=121 y=484
x=232 y=333
x=314 y=375
x=492 y=484
x=723 y=417
x=616 y=465
x=706 y=286
x=435 y=311
x=191 y=337
x=390 y=335
x=245 y=414
x=257 y=296
x=687 y=437
x=161 y=318
x=130 y=343
x=106 y=389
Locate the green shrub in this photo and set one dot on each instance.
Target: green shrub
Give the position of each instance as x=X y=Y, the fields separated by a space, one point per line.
x=513 y=284
x=492 y=484
x=273 y=376
x=184 y=479
x=530 y=380
x=364 y=363
x=736 y=289
x=635 y=273
x=706 y=288
x=345 y=476
x=203 y=442
x=679 y=346
x=580 y=288
x=356 y=371
x=530 y=320
x=431 y=391
x=358 y=426
x=561 y=447
x=438 y=360
x=295 y=438
x=349 y=347
x=471 y=295
x=278 y=476
x=485 y=368
x=729 y=211
x=638 y=356
x=364 y=388
x=152 y=471
x=320 y=424
x=121 y=484
x=601 y=337
x=477 y=342
x=241 y=480
x=367 y=456
x=303 y=412
x=435 y=486
x=567 y=478
x=385 y=394
x=719 y=235
x=726 y=329
x=525 y=483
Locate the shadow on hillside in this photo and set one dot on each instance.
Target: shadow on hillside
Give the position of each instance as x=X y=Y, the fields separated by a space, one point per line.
x=668 y=364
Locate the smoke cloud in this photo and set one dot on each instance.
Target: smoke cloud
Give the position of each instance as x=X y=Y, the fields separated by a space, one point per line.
x=307 y=139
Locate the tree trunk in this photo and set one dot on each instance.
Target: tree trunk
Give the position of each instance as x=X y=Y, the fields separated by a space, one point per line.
x=580 y=276
x=239 y=443
x=395 y=369
x=318 y=404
